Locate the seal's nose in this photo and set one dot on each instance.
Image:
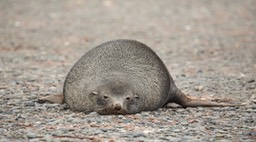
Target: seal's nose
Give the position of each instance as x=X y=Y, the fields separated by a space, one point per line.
x=117 y=106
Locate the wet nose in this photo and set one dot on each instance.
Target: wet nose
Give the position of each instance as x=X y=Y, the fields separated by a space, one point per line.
x=117 y=106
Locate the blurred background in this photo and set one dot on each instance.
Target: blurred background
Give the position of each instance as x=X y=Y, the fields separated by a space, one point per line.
x=213 y=37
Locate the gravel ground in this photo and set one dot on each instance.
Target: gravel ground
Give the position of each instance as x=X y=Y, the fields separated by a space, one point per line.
x=208 y=46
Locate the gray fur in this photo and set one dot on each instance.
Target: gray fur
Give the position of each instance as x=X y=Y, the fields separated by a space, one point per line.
x=127 y=61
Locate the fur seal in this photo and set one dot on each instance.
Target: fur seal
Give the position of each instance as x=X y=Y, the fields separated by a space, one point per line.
x=122 y=77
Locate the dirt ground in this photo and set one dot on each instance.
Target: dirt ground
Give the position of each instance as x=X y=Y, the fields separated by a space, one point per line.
x=208 y=46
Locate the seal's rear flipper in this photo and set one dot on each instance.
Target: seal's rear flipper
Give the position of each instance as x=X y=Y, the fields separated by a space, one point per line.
x=54 y=98
x=181 y=99
x=205 y=103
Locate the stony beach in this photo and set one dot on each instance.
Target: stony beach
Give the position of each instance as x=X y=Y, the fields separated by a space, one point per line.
x=208 y=46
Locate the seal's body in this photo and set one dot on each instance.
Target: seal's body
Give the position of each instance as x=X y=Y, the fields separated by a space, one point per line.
x=122 y=77
x=123 y=68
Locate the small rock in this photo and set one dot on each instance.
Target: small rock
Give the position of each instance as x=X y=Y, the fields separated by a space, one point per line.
x=138 y=134
x=31 y=135
x=15 y=111
x=199 y=88
x=63 y=106
x=200 y=71
x=145 y=113
x=52 y=88
x=3 y=87
x=184 y=123
x=93 y=113
x=222 y=132
x=250 y=80
x=249 y=120
x=120 y=116
x=29 y=104
x=2 y=91
x=176 y=130
x=251 y=87
x=48 y=138
x=104 y=130
x=2 y=130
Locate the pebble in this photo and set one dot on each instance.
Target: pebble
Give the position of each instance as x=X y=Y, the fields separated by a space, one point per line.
x=199 y=88
x=104 y=130
x=251 y=80
x=49 y=138
x=93 y=113
x=2 y=92
x=29 y=104
x=2 y=130
x=31 y=135
x=145 y=113
x=184 y=123
x=134 y=134
x=251 y=87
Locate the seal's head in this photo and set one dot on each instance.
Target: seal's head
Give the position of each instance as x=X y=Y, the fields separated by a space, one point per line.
x=115 y=98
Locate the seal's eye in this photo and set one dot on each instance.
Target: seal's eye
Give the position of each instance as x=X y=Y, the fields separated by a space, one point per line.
x=128 y=98
x=136 y=97
x=105 y=97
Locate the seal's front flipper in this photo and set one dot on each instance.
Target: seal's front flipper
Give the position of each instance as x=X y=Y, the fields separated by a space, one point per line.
x=54 y=98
